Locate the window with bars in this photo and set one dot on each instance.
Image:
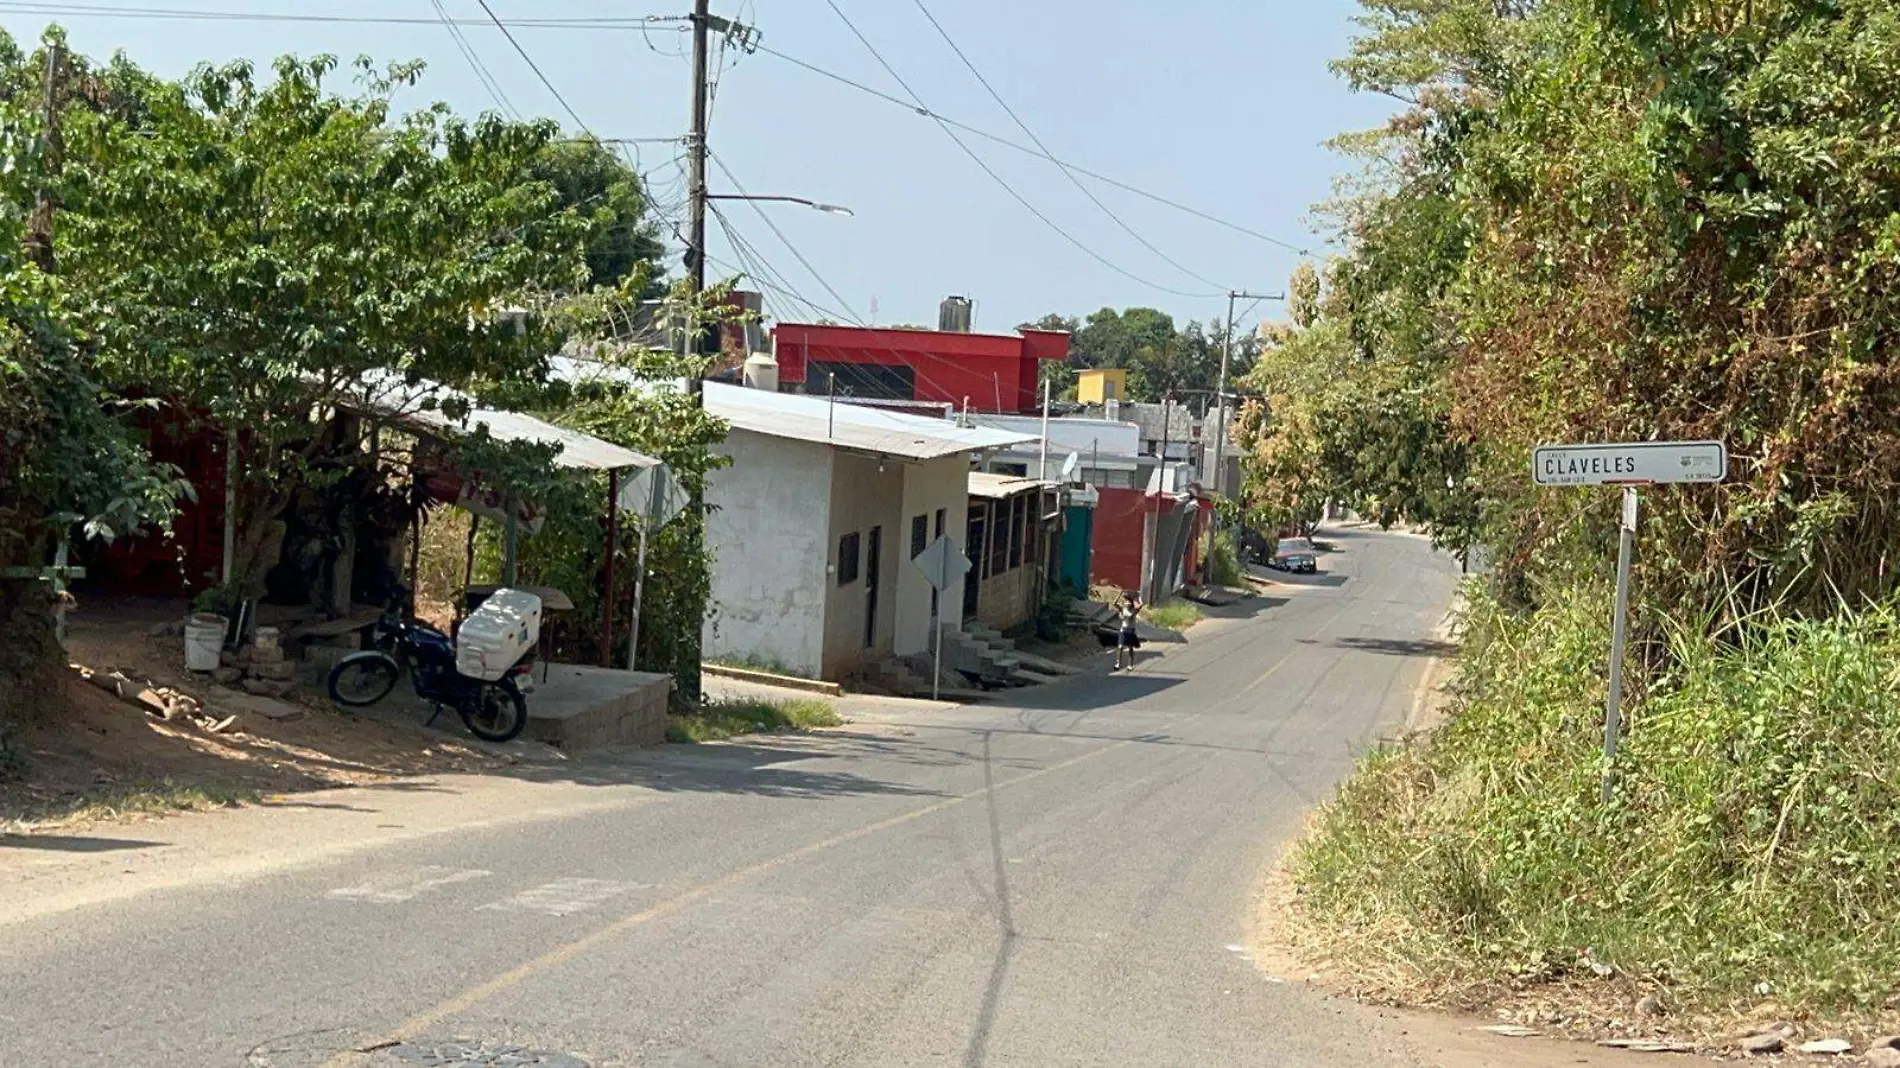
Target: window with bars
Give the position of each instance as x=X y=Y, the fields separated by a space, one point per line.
x=848 y=559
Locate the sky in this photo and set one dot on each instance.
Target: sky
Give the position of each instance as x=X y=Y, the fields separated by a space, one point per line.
x=1219 y=105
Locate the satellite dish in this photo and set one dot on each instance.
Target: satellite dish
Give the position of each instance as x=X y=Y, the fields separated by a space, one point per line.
x=1070 y=466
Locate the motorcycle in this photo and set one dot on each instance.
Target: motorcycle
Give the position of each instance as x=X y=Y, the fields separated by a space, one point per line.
x=494 y=711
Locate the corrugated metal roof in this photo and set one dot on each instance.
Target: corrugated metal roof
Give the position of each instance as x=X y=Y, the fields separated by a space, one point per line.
x=847 y=426
x=419 y=407
x=996 y=487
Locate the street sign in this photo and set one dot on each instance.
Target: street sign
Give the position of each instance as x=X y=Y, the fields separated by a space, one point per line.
x=653 y=494
x=1631 y=464
x=943 y=563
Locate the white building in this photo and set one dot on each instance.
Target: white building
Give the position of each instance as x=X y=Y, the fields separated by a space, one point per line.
x=1108 y=451
x=814 y=525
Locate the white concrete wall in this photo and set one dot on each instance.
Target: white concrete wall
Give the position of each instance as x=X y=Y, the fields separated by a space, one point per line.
x=930 y=485
x=768 y=532
x=863 y=497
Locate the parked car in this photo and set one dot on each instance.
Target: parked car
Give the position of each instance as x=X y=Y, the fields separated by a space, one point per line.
x=1296 y=555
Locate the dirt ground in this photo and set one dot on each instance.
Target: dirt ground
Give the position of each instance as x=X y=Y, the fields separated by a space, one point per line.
x=105 y=757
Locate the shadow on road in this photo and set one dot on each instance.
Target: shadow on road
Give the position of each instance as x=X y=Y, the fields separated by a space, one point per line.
x=736 y=768
x=1096 y=692
x=70 y=843
x=1397 y=646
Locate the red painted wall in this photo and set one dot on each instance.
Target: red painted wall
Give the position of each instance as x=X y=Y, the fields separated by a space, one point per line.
x=995 y=372
x=151 y=564
x=1120 y=526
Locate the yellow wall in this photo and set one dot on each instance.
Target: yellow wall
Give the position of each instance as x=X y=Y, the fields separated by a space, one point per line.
x=1101 y=385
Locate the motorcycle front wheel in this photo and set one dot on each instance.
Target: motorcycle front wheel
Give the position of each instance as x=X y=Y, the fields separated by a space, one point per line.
x=496 y=713
x=362 y=679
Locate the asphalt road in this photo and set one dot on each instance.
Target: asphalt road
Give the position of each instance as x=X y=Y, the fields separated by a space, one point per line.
x=1066 y=882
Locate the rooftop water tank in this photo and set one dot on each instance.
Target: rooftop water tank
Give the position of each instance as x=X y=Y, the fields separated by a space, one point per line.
x=761 y=372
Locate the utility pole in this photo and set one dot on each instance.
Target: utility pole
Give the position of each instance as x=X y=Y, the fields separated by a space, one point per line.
x=696 y=180
x=39 y=236
x=695 y=531
x=1218 y=469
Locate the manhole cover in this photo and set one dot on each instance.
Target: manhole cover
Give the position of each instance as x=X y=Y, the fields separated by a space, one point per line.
x=315 y=1049
x=458 y=1053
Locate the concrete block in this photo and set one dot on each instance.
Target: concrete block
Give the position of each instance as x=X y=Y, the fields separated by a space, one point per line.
x=581 y=708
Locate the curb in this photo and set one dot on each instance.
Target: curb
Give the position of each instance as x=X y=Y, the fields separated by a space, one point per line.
x=767 y=678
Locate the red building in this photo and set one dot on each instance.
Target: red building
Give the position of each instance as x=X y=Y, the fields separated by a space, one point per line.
x=1134 y=527
x=992 y=372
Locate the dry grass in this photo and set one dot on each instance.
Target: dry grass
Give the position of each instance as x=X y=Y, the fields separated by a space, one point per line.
x=731 y=718
x=1744 y=871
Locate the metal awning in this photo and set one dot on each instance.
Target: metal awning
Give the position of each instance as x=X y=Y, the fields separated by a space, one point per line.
x=418 y=406
x=849 y=426
x=995 y=487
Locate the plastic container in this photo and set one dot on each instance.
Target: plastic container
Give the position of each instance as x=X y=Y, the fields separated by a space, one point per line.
x=267 y=639
x=498 y=634
x=204 y=641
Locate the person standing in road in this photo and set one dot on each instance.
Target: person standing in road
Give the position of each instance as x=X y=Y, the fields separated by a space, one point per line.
x=1126 y=642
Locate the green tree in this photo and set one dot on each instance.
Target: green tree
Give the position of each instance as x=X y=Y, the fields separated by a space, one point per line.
x=1634 y=220
x=256 y=250
x=68 y=463
x=623 y=241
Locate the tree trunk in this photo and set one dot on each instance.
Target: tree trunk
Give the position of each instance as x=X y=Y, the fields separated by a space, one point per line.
x=32 y=665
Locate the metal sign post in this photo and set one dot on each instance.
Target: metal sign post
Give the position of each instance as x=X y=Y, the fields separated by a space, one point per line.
x=656 y=497
x=1619 y=633
x=943 y=565
x=1629 y=465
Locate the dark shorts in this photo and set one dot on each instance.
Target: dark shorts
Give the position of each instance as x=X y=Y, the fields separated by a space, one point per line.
x=1128 y=639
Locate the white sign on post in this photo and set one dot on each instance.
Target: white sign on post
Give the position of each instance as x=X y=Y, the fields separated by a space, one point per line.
x=944 y=566
x=656 y=497
x=942 y=563
x=1633 y=464
x=1627 y=465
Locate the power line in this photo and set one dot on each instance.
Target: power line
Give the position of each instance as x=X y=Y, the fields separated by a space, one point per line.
x=505 y=32
x=991 y=171
x=120 y=11
x=482 y=73
x=1066 y=171
x=767 y=274
x=1029 y=150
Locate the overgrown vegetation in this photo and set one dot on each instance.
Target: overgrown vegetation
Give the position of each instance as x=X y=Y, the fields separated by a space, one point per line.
x=720 y=719
x=1176 y=614
x=1750 y=851
x=1607 y=222
x=1223 y=566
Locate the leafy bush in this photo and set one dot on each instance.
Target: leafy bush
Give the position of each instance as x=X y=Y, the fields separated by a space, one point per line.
x=1224 y=563
x=1052 y=617
x=1751 y=846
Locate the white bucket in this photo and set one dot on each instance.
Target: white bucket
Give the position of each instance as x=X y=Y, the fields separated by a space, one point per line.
x=204 y=641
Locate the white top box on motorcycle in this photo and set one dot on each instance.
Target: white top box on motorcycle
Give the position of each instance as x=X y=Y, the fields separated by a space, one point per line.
x=498 y=634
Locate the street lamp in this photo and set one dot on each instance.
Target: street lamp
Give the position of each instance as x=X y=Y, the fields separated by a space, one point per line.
x=828 y=209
